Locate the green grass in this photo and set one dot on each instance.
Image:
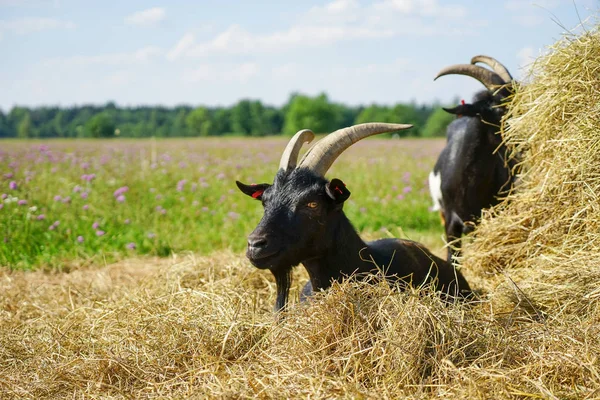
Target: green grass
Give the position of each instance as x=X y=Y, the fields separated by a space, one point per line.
x=387 y=179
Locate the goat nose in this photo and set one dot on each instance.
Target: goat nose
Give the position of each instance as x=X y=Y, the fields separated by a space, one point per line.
x=257 y=242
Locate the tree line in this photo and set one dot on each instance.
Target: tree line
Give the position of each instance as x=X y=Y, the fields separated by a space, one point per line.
x=247 y=117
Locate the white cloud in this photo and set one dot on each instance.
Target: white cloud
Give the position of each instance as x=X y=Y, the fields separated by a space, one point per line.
x=525 y=57
x=427 y=8
x=335 y=11
x=240 y=73
x=184 y=44
x=23 y=26
x=528 y=20
x=519 y=5
x=336 y=21
x=149 y=17
x=236 y=40
x=142 y=55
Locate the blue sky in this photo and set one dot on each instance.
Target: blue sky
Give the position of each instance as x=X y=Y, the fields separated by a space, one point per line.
x=214 y=53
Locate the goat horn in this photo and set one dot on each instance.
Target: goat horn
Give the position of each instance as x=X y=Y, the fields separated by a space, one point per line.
x=489 y=79
x=289 y=158
x=321 y=156
x=495 y=65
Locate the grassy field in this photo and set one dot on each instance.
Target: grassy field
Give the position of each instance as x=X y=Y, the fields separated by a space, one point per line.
x=74 y=202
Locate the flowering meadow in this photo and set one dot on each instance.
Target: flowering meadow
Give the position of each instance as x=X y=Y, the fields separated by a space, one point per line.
x=68 y=202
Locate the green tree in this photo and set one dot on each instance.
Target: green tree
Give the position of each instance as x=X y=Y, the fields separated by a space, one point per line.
x=179 y=126
x=407 y=114
x=222 y=121
x=58 y=123
x=4 y=128
x=315 y=113
x=100 y=126
x=24 y=129
x=241 y=118
x=375 y=113
x=437 y=123
x=199 y=122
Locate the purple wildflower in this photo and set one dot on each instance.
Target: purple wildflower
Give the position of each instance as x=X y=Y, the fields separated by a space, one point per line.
x=127 y=221
x=120 y=191
x=400 y=197
x=41 y=217
x=407 y=189
x=95 y=225
x=131 y=246
x=80 y=239
x=121 y=198
x=406 y=177
x=181 y=184
x=84 y=195
x=1 y=206
x=66 y=199
x=85 y=165
x=8 y=175
x=100 y=233
x=151 y=235
x=77 y=189
x=12 y=185
x=85 y=207
x=22 y=202
x=57 y=198
x=233 y=215
x=88 y=177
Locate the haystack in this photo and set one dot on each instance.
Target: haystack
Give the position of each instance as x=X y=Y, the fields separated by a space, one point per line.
x=541 y=248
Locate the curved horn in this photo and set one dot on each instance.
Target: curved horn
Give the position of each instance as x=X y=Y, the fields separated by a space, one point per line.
x=321 y=156
x=490 y=79
x=495 y=65
x=289 y=158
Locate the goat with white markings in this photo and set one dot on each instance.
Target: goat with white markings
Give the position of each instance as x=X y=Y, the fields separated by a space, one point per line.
x=303 y=223
x=474 y=169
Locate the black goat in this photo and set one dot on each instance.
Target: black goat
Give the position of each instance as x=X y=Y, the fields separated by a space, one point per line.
x=303 y=222
x=474 y=168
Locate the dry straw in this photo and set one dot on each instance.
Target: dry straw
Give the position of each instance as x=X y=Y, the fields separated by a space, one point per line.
x=197 y=328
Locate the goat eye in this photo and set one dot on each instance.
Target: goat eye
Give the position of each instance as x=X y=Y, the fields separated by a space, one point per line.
x=312 y=204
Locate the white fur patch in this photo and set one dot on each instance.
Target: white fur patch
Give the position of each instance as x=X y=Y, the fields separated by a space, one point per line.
x=435 y=189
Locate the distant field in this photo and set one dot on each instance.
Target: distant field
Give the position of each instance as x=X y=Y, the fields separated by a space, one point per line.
x=67 y=202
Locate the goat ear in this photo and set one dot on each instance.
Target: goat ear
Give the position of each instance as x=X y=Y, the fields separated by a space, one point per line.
x=336 y=189
x=254 y=191
x=464 y=109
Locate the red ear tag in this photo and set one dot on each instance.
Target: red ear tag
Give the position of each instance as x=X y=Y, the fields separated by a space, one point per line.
x=337 y=189
x=462 y=102
x=257 y=193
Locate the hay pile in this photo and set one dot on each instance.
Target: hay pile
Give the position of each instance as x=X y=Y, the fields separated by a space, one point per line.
x=547 y=237
x=203 y=327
